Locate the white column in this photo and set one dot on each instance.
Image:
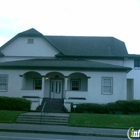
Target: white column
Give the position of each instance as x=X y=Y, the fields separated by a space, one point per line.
x=21 y=84
x=88 y=83
x=66 y=86
x=43 y=86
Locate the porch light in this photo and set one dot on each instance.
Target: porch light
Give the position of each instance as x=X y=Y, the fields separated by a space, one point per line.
x=47 y=78
x=56 y=76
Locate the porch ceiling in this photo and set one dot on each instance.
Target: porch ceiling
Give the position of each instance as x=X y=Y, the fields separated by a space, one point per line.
x=62 y=64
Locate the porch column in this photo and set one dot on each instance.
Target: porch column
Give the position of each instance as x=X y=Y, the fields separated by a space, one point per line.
x=88 y=83
x=66 y=86
x=43 y=85
x=21 y=86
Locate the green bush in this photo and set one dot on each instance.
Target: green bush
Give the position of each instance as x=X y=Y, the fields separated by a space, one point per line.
x=11 y=103
x=118 y=107
x=129 y=106
x=91 y=108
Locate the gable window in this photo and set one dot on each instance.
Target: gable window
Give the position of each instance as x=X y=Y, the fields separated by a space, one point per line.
x=137 y=64
x=107 y=85
x=37 y=83
x=30 y=41
x=75 y=85
x=3 y=82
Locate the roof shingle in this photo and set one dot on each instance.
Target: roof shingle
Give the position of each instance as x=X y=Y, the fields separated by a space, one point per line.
x=79 y=46
x=63 y=64
x=89 y=46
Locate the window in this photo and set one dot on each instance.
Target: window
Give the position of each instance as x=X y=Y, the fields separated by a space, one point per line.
x=107 y=85
x=136 y=64
x=3 y=82
x=37 y=83
x=75 y=84
x=30 y=41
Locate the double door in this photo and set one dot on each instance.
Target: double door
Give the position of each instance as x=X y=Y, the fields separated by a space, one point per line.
x=56 y=88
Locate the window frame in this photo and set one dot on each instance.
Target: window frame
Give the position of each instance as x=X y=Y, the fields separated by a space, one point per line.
x=137 y=62
x=6 y=83
x=103 y=85
x=79 y=80
x=35 y=79
x=30 y=41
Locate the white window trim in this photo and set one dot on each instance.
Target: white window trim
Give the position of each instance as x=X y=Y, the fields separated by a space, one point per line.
x=79 y=80
x=102 y=85
x=5 y=76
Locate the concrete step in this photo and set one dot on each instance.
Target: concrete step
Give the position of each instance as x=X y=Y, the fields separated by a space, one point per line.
x=44 y=119
x=52 y=105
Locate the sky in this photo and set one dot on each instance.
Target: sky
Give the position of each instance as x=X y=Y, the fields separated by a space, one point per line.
x=117 y=18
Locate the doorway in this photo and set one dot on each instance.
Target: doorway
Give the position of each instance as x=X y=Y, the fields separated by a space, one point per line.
x=56 y=88
x=130 y=89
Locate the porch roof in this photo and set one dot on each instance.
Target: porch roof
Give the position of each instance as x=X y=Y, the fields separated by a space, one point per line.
x=62 y=64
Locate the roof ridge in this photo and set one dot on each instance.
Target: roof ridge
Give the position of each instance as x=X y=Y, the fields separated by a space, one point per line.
x=30 y=32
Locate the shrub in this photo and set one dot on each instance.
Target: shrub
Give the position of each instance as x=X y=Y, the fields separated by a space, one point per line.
x=11 y=103
x=91 y=108
x=129 y=106
x=119 y=107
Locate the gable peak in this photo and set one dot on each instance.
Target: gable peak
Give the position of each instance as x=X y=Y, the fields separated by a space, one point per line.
x=31 y=32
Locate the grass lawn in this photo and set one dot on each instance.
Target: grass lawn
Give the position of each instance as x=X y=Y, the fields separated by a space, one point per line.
x=9 y=116
x=104 y=120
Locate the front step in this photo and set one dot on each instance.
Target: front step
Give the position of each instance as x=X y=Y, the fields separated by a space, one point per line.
x=52 y=105
x=49 y=119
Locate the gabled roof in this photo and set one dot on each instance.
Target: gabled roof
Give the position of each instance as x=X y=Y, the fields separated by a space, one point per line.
x=29 y=33
x=79 y=46
x=62 y=64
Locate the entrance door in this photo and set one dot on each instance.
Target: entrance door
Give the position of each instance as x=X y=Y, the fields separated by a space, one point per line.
x=130 y=89
x=56 y=88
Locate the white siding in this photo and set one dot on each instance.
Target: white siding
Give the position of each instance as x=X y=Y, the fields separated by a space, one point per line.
x=39 y=48
x=119 y=87
x=94 y=84
x=135 y=75
x=93 y=95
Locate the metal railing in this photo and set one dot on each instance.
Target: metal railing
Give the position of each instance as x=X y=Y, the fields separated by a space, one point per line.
x=43 y=110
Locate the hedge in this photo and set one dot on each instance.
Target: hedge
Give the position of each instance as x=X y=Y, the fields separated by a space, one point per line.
x=120 y=106
x=11 y=103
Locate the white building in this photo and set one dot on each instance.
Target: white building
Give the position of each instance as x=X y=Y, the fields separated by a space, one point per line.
x=70 y=68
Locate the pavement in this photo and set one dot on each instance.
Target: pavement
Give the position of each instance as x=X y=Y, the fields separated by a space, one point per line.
x=57 y=129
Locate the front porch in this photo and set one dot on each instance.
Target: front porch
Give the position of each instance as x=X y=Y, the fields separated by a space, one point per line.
x=53 y=85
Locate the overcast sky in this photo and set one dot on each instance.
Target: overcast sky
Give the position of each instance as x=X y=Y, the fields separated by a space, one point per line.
x=118 y=18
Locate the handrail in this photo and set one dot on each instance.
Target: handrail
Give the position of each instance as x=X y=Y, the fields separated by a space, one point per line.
x=42 y=111
x=43 y=108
